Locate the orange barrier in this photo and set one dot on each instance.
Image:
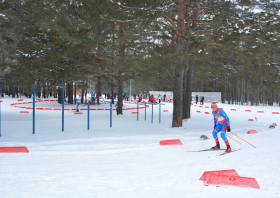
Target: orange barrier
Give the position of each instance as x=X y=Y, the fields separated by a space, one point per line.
x=275 y=112
x=24 y=111
x=198 y=111
x=171 y=142
x=233 y=181
x=206 y=175
x=206 y=112
x=165 y=110
x=250 y=119
x=252 y=132
x=14 y=149
x=78 y=113
x=228 y=178
x=248 y=110
x=233 y=109
x=260 y=111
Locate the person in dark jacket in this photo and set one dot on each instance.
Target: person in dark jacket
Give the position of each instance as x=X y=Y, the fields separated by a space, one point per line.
x=196 y=99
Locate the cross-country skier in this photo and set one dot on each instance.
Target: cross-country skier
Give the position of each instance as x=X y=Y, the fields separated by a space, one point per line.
x=78 y=103
x=221 y=124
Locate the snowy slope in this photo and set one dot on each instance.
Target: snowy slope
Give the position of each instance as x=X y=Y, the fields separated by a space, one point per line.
x=127 y=160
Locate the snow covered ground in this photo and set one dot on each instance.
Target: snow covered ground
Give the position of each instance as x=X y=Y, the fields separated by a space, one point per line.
x=126 y=160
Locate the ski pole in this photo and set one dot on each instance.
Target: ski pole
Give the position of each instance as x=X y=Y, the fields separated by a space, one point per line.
x=243 y=139
x=233 y=139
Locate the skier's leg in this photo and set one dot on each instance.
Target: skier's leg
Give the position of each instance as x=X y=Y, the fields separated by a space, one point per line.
x=78 y=106
x=215 y=136
x=223 y=136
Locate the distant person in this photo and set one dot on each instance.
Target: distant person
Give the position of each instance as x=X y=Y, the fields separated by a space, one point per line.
x=164 y=97
x=202 y=100
x=140 y=97
x=126 y=97
x=77 y=104
x=151 y=98
x=221 y=124
x=134 y=96
x=92 y=96
x=159 y=98
x=196 y=99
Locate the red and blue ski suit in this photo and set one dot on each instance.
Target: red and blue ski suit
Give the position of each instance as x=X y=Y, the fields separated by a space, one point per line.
x=221 y=121
x=78 y=103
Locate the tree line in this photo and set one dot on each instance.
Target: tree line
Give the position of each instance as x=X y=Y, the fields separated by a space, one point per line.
x=172 y=45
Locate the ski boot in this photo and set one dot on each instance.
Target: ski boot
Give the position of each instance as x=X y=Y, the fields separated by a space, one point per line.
x=228 y=150
x=216 y=147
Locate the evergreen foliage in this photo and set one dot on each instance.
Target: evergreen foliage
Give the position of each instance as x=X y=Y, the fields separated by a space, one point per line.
x=169 y=45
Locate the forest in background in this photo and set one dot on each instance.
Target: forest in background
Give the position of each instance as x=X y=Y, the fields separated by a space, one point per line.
x=182 y=46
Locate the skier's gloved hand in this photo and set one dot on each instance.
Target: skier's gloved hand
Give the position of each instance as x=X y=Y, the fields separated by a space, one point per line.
x=228 y=129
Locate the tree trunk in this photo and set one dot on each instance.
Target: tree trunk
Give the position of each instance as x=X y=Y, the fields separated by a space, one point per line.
x=59 y=94
x=185 y=94
x=98 y=88
x=71 y=101
x=75 y=92
x=178 y=77
x=82 y=96
x=120 y=92
x=44 y=91
x=16 y=91
x=188 y=95
x=121 y=49
x=270 y=99
x=112 y=92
